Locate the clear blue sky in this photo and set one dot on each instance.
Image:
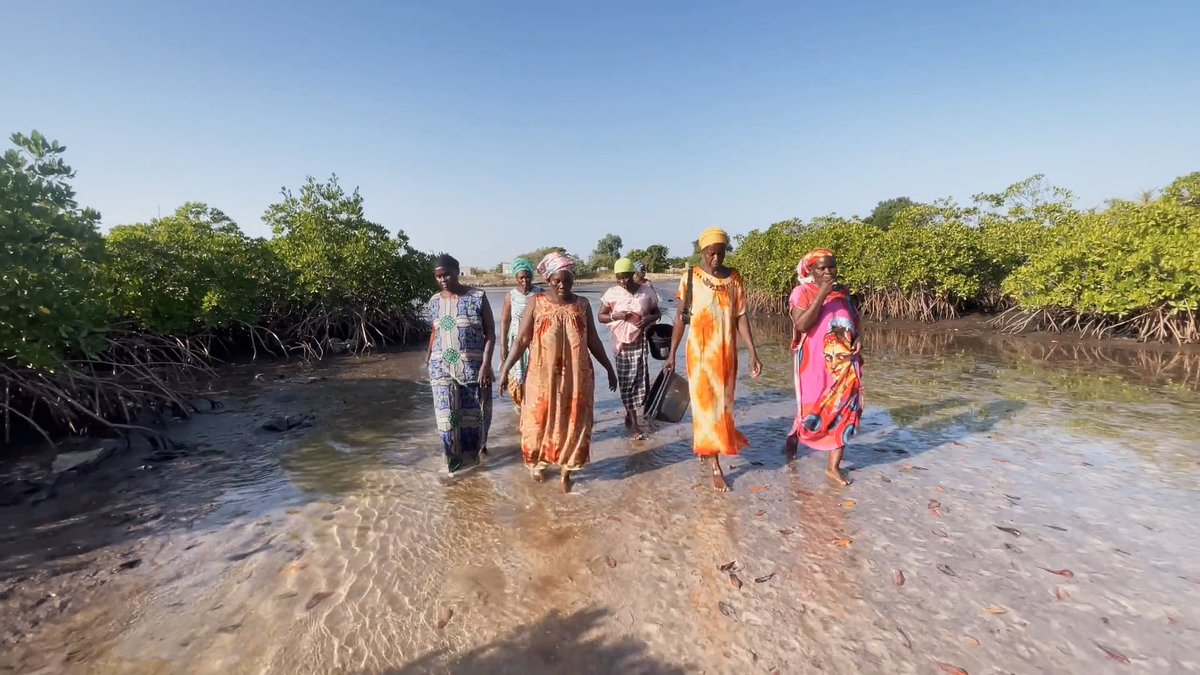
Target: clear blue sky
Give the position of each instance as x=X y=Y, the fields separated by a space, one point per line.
x=489 y=128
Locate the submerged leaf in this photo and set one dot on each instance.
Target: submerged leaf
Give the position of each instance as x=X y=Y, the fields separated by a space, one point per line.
x=760 y=513
x=844 y=543
x=727 y=610
x=1009 y=530
x=728 y=566
x=764 y=579
x=1061 y=594
x=1062 y=573
x=735 y=581
x=849 y=504
x=757 y=488
x=940 y=533
x=786 y=533
x=971 y=641
x=995 y=609
x=951 y=669
x=316 y=599
x=445 y=618
x=610 y=561
x=898 y=577
x=947 y=570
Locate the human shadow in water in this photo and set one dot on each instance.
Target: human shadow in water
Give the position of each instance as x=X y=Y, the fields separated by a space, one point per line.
x=557 y=643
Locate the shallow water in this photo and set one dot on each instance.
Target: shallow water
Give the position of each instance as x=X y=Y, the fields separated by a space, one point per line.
x=342 y=548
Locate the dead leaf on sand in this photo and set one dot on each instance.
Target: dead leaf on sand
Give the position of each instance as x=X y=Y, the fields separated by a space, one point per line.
x=951 y=669
x=786 y=533
x=1062 y=573
x=1113 y=654
x=732 y=564
x=995 y=609
x=735 y=581
x=444 y=619
x=760 y=513
x=1061 y=594
x=765 y=579
x=844 y=543
x=971 y=641
x=898 y=577
x=935 y=508
x=610 y=561
x=947 y=570
x=757 y=488
x=940 y=533
x=727 y=610
x=849 y=504
x=1009 y=530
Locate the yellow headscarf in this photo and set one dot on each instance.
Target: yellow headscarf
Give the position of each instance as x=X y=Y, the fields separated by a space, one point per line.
x=713 y=235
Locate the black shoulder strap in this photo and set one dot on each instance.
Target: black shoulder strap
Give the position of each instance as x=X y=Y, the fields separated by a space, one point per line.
x=687 y=294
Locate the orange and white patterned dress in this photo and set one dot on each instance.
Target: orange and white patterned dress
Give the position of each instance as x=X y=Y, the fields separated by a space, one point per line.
x=557 y=414
x=712 y=360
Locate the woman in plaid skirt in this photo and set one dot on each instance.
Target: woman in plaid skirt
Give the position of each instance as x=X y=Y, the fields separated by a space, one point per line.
x=629 y=308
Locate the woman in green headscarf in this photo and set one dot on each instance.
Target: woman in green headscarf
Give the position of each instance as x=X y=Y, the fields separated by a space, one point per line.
x=510 y=323
x=629 y=308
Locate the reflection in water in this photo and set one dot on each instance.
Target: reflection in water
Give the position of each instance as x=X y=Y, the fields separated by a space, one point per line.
x=344 y=548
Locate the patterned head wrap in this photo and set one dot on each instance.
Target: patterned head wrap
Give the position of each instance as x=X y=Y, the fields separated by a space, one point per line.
x=804 y=269
x=521 y=265
x=639 y=266
x=713 y=235
x=555 y=262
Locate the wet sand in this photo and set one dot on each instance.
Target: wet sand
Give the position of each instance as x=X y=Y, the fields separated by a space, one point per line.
x=342 y=548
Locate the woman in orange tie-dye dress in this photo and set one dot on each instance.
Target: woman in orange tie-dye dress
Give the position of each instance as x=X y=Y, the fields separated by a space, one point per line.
x=558 y=412
x=716 y=312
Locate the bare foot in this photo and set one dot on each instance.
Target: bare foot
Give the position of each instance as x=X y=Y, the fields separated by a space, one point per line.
x=718 y=478
x=628 y=421
x=838 y=477
x=539 y=475
x=790 y=446
x=566 y=482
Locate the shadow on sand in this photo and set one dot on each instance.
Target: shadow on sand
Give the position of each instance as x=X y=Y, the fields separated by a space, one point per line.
x=555 y=644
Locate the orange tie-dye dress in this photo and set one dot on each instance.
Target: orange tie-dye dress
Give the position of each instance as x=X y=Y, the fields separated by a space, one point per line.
x=712 y=360
x=556 y=417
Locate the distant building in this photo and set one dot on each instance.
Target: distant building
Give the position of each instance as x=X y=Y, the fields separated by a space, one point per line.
x=506 y=268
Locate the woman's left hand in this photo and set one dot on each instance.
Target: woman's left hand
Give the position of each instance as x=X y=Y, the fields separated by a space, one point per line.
x=612 y=380
x=755 y=366
x=856 y=348
x=485 y=376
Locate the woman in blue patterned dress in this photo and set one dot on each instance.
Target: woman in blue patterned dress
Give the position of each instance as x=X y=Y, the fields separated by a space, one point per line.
x=460 y=365
x=510 y=323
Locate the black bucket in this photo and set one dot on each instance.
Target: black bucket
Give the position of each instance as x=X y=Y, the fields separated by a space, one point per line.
x=659 y=337
x=669 y=398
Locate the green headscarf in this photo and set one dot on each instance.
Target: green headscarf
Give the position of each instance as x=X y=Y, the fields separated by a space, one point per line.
x=623 y=266
x=522 y=265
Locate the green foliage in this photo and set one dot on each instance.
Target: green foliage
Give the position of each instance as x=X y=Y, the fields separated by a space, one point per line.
x=608 y=249
x=886 y=211
x=337 y=259
x=656 y=257
x=1126 y=260
x=50 y=256
x=1026 y=245
x=189 y=271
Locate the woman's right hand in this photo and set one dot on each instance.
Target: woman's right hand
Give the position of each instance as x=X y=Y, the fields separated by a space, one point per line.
x=669 y=366
x=503 y=383
x=827 y=285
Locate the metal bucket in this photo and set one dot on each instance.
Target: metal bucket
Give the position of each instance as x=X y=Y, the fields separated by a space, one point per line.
x=669 y=397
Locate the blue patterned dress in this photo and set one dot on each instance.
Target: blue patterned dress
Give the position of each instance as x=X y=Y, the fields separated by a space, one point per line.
x=462 y=408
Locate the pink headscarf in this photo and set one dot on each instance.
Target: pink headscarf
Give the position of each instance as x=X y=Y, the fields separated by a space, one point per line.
x=804 y=269
x=555 y=262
